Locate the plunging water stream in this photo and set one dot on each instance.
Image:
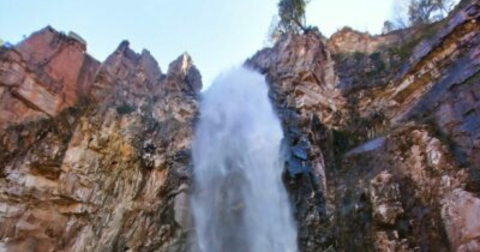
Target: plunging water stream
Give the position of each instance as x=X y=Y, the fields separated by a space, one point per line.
x=240 y=203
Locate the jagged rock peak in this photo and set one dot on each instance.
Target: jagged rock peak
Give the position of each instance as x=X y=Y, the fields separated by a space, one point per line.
x=104 y=173
x=49 y=71
x=124 y=62
x=184 y=69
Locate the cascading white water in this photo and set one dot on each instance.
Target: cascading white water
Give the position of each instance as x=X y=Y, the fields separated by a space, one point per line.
x=239 y=202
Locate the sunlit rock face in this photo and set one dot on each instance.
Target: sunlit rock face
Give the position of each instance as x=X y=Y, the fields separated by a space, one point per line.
x=380 y=148
x=43 y=75
x=94 y=157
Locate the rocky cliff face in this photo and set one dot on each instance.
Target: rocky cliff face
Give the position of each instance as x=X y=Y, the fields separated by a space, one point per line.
x=382 y=136
x=94 y=156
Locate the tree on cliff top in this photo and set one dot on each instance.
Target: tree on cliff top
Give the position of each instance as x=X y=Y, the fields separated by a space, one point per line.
x=290 y=19
x=428 y=11
x=419 y=12
x=292 y=15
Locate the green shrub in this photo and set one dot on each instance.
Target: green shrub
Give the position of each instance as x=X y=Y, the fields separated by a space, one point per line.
x=125 y=108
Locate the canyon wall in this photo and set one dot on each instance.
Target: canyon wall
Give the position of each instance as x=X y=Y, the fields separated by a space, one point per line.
x=383 y=137
x=94 y=155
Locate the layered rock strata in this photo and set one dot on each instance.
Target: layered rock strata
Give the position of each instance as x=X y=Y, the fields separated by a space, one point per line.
x=94 y=155
x=387 y=137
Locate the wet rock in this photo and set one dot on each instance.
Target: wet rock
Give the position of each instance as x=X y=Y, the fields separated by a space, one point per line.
x=297 y=166
x=300 y=72
x=181 y=207
x=302 y=149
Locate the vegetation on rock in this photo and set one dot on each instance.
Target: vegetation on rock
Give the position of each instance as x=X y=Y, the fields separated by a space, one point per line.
x=290 y=19
x=417 y=13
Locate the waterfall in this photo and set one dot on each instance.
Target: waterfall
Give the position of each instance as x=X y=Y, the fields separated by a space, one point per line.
x=239 y=202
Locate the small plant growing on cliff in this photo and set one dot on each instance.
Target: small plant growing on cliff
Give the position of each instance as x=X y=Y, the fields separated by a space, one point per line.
x=125 y=108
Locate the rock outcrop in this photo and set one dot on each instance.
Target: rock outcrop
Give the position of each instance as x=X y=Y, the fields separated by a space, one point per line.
x=43 y=75
x=382 y=140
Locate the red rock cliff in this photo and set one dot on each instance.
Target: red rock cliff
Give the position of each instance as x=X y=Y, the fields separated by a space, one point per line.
x=43 y=75
x=94 y=156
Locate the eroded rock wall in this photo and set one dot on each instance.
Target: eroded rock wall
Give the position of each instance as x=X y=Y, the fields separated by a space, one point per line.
x=395 y=142
x=100 y=160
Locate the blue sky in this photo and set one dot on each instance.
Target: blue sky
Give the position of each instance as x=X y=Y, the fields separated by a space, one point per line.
x=218 y=34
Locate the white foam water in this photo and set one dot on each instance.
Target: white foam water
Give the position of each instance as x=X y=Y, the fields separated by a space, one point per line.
x=239 y=202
